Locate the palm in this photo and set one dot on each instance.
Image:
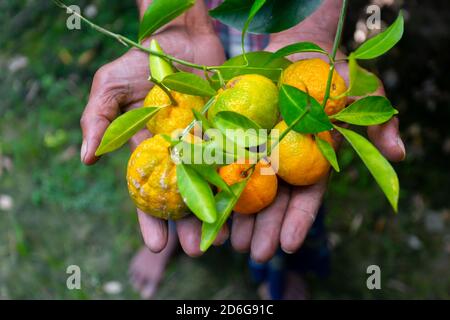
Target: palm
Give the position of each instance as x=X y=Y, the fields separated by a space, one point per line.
x=289 y=218
x=123 y=84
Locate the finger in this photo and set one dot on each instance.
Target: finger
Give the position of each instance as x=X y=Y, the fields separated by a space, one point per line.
x=121 y=82
x=300 y=215
x=222 y=236
x=138 y=138
x=266 y=233
x=153 y=230
x=241 y=232
x=386 y=138
x=189 y=231
x=102 y=108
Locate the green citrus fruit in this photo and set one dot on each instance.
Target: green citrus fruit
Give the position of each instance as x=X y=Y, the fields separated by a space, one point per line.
x=251 y=95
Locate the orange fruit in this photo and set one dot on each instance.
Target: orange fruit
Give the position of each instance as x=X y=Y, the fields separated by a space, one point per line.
x=152 y=180
x=313 y=74
x=251 y=95
x=300 y=161
x=261 y=187
x=171 y=117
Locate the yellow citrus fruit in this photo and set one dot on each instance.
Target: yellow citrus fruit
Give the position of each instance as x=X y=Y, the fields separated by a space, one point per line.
x=300 y=161
x=251 y=95
x=152 y=180
x=171 y=117
x=313 y=74
x=261 y=187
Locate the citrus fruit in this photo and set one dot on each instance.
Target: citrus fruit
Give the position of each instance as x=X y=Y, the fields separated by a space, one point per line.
x=173 y=116
x=313 y=74
x=300 y=161
x=251 y=95
x=261 y=187
x=152 y=180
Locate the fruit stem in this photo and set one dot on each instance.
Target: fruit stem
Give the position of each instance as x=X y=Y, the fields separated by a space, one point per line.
x=192 y=124
x=283 y=134
x=288 y=129
x=245 y=174
x=337 y=42
x=173 y=102
x=221 y=80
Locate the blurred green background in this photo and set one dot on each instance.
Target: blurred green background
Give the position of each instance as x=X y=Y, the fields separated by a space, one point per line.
x=55 y=212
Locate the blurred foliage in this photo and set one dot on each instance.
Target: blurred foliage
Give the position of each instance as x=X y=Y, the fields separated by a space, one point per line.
x=55 y=212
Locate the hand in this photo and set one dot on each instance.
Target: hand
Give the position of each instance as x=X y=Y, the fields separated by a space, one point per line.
x=287 y=221
x=122 y=85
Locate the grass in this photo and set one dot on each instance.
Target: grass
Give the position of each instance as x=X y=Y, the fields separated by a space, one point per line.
x=64 y=213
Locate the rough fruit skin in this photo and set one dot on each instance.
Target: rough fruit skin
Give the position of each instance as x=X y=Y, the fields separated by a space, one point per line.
x=300 y=161
x=313 y=73
x=260 y=190
x=251 y=95
x=152 y=180
x=171 y=117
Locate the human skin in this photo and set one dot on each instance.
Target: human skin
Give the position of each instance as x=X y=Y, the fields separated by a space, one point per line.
x=286 y=222
x=122 y=84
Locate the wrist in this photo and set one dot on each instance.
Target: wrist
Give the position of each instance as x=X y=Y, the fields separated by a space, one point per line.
x=319 y=27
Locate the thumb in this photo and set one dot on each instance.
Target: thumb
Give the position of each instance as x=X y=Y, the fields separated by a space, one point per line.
x=120 y=83
x=101 y=109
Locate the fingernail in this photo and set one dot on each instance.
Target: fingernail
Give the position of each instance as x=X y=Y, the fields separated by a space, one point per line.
x=401 y=145
x=287 y=251
x=217 y=244
x=83 y=150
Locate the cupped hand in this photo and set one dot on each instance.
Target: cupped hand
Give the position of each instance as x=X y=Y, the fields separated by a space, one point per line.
x=123 y=84
x=287 y=221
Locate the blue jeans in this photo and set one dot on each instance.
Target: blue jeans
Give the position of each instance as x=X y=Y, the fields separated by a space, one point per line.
x=313 y=256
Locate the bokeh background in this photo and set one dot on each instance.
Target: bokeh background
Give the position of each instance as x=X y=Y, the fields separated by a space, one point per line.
x=55 y=212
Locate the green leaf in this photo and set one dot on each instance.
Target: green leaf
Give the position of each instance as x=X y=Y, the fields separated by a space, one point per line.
x=161 y=12
x=159 y=68
x=225 y=203
x=362 y=82
x=188 y=83
x=199 y=117
x=205 y=108
x=294 y=102
x=256 y=6
x=258 y=63
x=367 y=111
x=189 y=153
x=209 y=173
x=328 y=152
x=124 y=127
x=382 y=42
x=378 y=166
x=196 y=193
x=274 y=16
x=173 y=142
x=239 y=128
x=209 y=152
x=297 y=48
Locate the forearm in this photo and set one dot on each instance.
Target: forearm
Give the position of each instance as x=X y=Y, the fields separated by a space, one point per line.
x=320 y=27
